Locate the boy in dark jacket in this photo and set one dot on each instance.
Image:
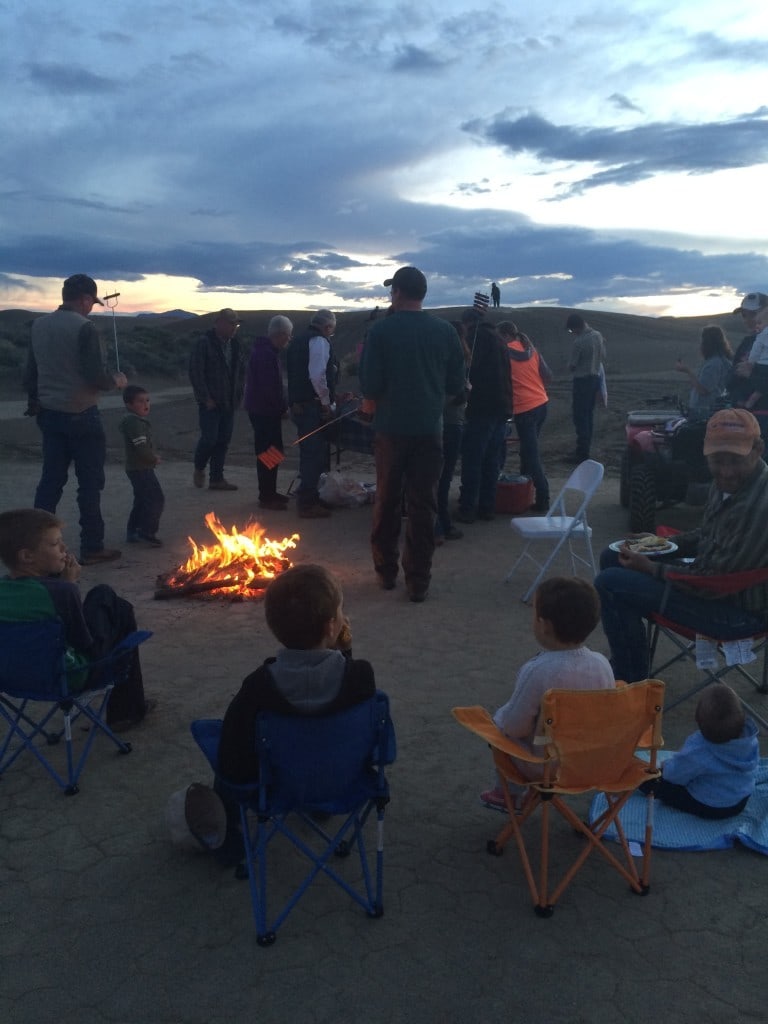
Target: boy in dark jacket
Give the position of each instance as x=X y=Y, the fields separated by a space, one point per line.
x=312 y=674
x=140 y=461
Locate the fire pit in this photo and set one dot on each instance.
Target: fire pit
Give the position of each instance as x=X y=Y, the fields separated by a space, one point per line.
x=238 y=567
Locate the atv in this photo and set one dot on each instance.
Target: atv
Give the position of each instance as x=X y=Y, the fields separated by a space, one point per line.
x=663 y=464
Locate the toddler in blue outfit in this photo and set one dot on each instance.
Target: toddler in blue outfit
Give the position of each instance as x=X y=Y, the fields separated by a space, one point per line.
x=713 y=774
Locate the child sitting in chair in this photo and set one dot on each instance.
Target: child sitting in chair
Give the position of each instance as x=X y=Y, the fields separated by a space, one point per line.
x=312 y=674
x=713 y=774
x=42 y=584
x=565 y=611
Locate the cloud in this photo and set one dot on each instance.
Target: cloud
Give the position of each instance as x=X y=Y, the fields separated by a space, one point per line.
x=63 y=78
x=631 y=154
x=621 y=102
x=414 y=58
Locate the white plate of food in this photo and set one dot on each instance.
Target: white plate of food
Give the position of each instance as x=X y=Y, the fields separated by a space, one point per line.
x=650 y=545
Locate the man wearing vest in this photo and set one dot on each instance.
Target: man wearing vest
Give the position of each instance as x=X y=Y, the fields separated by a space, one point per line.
x=312 y=371
x=65 y=374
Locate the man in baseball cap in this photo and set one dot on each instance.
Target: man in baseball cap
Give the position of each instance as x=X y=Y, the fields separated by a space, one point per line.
x=747 y=383
x=65 y=376
x=732 y=538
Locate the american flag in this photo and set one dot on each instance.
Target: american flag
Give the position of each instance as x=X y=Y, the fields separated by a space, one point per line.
x=482 y=302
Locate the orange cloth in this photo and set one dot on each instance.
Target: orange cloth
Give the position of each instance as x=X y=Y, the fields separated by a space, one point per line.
x=528 y=391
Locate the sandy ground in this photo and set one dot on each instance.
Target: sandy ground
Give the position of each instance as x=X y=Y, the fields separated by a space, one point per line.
x=106 y=922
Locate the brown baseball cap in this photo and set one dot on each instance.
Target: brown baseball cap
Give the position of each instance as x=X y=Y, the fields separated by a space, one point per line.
x=731 y=430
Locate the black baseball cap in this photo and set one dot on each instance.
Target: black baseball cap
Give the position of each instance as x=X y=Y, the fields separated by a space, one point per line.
x=409 y=280
x=80 y=284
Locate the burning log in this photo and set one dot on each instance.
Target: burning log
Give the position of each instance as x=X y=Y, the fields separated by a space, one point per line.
x=239 y=567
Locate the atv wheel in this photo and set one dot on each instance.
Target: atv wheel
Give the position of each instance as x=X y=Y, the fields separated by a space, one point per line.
x=626 y=469
x=642 y=500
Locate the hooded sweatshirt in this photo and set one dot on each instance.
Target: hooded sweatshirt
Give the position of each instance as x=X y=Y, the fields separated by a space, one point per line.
x=716 y=774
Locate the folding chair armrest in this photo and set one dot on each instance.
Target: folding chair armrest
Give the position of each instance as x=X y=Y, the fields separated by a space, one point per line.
x=478 y=721
x=723 y=583
x=126 y=645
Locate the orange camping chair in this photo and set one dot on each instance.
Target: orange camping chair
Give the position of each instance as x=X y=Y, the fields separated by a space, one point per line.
x=588 y=740
x=684 y=639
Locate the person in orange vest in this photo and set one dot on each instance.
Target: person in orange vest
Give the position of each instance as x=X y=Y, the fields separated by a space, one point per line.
x=530 y=375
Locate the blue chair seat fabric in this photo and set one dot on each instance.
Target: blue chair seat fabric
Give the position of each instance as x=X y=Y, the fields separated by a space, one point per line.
x=309 y=768
x=37 y=686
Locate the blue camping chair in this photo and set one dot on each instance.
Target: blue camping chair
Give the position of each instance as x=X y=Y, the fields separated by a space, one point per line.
x=33 y=672
x=310 y=768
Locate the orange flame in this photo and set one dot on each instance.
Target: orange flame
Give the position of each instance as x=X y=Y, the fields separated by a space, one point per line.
x=241 y=563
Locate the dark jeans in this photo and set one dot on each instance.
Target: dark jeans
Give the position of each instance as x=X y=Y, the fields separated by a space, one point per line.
x=79 y=438
x=313 y=453
x=451 y=447
x=528 y=425
x=408 y=465
x=267 y=433
x=480 y=446
x=216 y=426
x=677 y=796
x=626 y=597
x=148 y=502
x=585 y=391
x=110 y=619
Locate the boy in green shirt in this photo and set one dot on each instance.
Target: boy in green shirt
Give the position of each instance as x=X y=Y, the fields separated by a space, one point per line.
x=140 y=462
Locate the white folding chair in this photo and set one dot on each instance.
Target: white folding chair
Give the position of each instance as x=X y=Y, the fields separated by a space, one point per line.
x=558 y=528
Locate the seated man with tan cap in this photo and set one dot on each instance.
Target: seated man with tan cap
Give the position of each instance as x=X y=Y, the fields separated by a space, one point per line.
x=732 y=537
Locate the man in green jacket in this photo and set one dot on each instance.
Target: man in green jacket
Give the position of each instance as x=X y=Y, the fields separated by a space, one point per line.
x=410 y=362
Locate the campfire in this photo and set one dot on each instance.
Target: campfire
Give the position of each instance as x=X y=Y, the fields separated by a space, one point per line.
x=239 y=566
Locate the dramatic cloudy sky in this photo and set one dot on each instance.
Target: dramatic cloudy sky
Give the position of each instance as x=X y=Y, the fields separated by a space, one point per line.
x=266 y=155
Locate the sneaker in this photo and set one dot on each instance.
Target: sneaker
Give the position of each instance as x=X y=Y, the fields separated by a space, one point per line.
x=465 y=517
x=198 y=478
x=386 y=582
x=97 y=557
x=221 y=485
x=273 y=503
x=314 y=512
x=151 y=539
x=418 y=594
x=493 y=799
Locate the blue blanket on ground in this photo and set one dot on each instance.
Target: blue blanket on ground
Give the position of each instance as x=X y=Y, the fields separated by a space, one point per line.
x=676 y=830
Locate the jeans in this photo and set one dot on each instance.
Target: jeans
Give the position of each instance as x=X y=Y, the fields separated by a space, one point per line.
x=584 y=393
x=313 y=453
x=626 y=597
x=480 y=446
x=79 y=438
x=528 y=425
x=267 y=433
x=452 y=433
x=216 y=426
x=409 y=465
x=148 y=502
